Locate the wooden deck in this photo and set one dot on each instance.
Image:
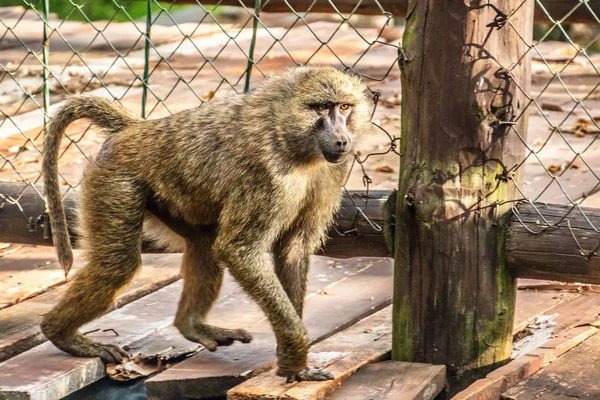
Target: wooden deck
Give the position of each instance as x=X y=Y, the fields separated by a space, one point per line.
x=341 y=292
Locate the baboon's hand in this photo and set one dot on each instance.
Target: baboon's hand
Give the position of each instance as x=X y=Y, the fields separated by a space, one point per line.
x=310 y=374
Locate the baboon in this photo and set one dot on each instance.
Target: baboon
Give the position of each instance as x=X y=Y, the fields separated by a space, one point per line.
x=226 y=183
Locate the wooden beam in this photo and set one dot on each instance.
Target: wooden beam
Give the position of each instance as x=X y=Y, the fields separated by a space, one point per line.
x=557 y=9
x=454 y=297
x=555 y=242
x=358 y=229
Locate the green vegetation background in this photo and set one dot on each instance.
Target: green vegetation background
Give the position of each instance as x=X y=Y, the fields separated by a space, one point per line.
x=94 y=10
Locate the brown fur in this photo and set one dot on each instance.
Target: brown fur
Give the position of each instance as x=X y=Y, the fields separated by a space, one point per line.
x=233 y=179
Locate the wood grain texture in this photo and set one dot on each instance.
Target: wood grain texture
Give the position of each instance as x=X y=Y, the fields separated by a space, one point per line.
x=454 y=296
x=19 y=324
x=342 y=354
x=355 y=233
x=555 y=242
x=574 y=319
x=572 y=376
x=393 y=380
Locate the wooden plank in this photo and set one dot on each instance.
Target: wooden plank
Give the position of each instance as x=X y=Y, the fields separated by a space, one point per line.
x=30 y=271
x=394 y=380
x=342 y=354
x=207 y=375
x=46 y=371
x=556 y=250
x=575 y=375
x=572 y=327
x=532 y=303
x=19 y=324
x=356 y=233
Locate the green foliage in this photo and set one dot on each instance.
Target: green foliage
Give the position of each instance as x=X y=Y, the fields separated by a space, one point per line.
x=94 y=10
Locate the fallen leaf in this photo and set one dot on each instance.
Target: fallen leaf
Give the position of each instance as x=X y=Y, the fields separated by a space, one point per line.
x=208 y=95
x=576 y=164
x=554 y=168
x=142 y=365
x=384 y=168
x=552 y=106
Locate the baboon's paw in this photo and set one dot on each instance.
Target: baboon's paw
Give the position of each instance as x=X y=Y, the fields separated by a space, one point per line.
x=310 y=374
x=212 y=337
x=84 y=347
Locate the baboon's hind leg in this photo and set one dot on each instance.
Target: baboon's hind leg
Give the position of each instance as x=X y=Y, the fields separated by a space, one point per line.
x=203 y=277
x=112 y=212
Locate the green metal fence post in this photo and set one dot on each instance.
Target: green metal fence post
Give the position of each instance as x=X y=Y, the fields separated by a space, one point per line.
x=257 y=5
x=146 y=57
x=45 y=59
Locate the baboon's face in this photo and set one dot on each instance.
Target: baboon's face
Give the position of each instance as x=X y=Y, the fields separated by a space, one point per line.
x=324 y=115
x=331 y=130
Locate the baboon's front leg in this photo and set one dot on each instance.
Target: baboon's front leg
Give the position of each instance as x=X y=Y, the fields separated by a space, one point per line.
x=292 y=261
x=203 y=277
x=291 y=255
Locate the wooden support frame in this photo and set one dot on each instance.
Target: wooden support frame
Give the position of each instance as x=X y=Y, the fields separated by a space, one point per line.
x=557 y=9
x=454 y=296
x=358 y=230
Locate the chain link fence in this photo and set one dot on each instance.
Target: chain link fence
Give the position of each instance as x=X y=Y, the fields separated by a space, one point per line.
x=562 y=150
x=158 y=58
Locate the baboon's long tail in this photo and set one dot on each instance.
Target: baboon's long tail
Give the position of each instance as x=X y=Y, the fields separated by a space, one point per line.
x=109 y=116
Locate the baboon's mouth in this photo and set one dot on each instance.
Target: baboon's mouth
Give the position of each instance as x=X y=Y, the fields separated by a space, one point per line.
x=335 y=158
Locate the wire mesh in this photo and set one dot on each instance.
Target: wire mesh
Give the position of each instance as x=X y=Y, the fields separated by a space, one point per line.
x=158 y=58
x=562 y=152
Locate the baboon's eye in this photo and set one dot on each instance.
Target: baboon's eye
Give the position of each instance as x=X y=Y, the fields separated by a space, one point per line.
x=345 y=107
x=321 y=107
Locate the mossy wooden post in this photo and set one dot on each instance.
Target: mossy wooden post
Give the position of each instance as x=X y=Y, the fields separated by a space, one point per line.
x=461 y=111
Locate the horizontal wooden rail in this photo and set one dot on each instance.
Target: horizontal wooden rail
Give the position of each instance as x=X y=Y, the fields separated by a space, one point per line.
x=556 y=8
x=555 y=242
x=358 y=230
x=548 y=253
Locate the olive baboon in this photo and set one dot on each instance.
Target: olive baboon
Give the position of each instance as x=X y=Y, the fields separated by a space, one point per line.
x=245 y=175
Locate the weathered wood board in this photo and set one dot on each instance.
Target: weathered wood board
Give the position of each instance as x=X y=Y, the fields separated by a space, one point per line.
x=393 y=380
x=342 y=354
x=19 y=324
x=29 y=271
x=574 y=324
x=575 y=375
x=45 y=371
x=531 y=303
x=207 y=375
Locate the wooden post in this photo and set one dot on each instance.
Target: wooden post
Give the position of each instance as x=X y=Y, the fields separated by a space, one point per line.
x=454 y=296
